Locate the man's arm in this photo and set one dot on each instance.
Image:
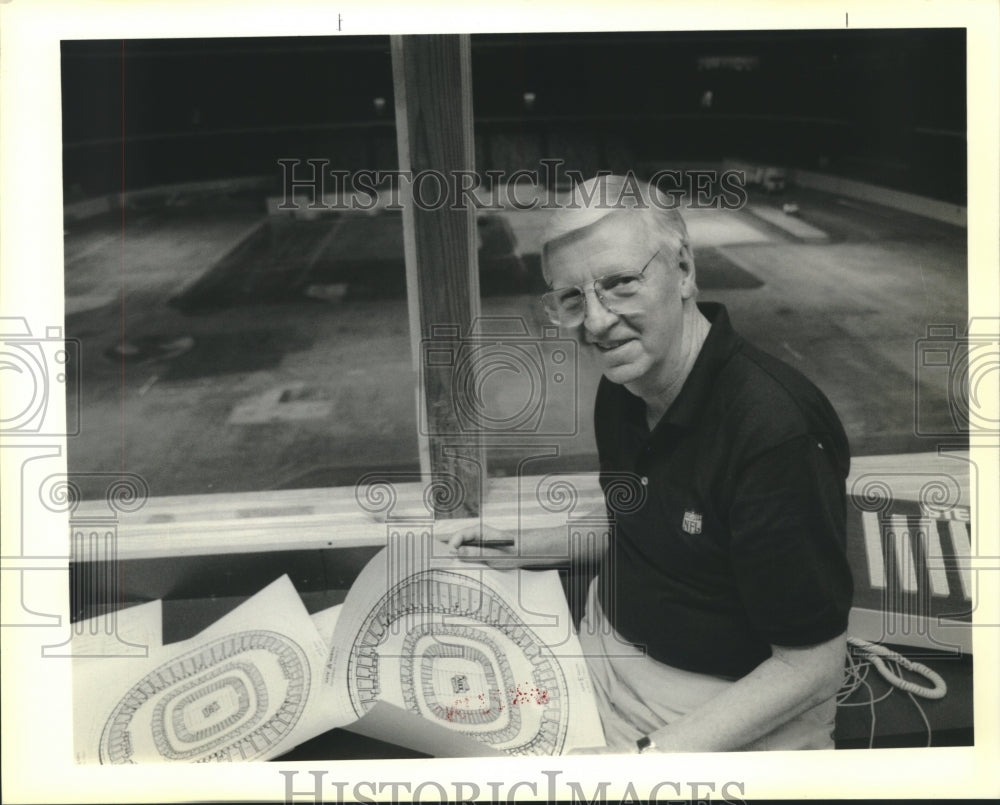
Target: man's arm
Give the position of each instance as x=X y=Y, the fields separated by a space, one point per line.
x=790 y=682
x=532 y=546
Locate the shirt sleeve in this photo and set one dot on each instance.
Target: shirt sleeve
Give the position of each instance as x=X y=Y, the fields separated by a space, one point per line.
x=788 y=527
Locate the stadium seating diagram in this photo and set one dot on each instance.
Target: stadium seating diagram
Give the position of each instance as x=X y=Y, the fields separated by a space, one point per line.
x=212 y=704
x=470 y=650
x=244 y=688
x=474 y=651
x=466 y=665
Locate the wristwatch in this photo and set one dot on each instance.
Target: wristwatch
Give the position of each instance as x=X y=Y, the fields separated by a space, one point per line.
x=645 y=744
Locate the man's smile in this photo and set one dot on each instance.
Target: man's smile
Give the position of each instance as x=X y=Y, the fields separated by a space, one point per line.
x=609 y=345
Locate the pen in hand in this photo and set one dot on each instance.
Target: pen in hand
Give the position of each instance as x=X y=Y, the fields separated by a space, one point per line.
x=489 y=543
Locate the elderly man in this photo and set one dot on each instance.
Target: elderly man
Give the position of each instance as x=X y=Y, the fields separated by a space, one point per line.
x=717 y=619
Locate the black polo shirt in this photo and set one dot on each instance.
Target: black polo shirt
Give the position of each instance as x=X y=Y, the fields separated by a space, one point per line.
x=740 y=541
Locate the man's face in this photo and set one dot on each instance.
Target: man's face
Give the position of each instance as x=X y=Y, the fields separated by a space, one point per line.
x=642 y=349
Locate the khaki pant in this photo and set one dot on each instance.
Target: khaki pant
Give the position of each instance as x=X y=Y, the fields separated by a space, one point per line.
x=636 y=695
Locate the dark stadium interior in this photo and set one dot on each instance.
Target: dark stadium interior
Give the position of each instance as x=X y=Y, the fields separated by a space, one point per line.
x=228 y=348
x=875 y=104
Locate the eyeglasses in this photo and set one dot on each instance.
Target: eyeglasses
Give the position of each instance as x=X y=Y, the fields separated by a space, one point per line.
x=567 y=306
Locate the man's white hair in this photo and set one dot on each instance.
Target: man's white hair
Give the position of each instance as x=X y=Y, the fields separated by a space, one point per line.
x=604 y=194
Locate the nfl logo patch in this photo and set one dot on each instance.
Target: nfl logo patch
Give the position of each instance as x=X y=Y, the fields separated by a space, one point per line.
x=692 y=522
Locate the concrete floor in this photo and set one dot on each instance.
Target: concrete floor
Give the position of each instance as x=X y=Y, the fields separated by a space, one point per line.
x=273 y=388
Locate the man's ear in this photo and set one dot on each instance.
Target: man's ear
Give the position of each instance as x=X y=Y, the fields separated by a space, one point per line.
x=685 y=262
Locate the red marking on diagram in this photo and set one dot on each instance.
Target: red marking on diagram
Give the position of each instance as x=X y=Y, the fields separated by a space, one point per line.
x=495 y=700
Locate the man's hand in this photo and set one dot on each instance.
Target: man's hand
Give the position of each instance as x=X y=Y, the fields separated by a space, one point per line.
x=467 y=545
x=535 y=547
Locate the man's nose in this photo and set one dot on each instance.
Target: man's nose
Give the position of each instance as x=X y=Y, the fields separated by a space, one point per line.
x=596 y=317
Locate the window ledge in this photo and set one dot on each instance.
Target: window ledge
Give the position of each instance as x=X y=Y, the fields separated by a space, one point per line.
x=339 y=517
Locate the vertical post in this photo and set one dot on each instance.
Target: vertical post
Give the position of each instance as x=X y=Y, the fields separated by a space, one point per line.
x=432 y=80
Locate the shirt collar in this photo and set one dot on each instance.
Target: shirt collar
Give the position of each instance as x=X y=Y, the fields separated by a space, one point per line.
x=719 y=346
